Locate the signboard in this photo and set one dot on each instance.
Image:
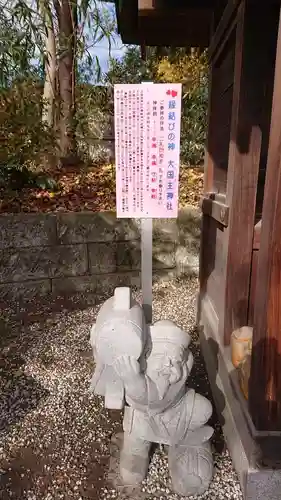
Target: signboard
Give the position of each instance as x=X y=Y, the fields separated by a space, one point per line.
x=147 y=147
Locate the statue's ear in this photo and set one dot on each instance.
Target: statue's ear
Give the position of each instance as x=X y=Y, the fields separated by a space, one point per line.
x=190 y=361
x=176 y=373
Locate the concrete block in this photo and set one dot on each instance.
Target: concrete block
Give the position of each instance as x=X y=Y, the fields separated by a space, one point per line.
x=102 y=257
x=69 y=260
x=27 y=230
x=163 y=255
x=75 y=284
x=263 y=485
x=94 y=283
x=107 y=283
x=94 y=227
x=41 y=246
x=127 y=229
x=25 y=290
x=42 y=262
x=165 y=230
x=189 y=224
x=187 y=262
x=128 y=256
x=186 y=226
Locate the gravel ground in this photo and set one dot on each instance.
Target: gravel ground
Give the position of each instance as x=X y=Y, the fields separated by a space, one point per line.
x=55 y=437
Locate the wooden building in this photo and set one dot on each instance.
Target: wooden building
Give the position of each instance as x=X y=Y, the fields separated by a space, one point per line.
x=240 y=269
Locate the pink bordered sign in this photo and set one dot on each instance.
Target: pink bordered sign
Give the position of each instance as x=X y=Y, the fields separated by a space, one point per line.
x=147 y=149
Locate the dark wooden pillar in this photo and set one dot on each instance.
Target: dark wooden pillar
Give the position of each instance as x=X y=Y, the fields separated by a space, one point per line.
x=251 y=70
x=143 y=51
x=265 y=380
x=209 y=161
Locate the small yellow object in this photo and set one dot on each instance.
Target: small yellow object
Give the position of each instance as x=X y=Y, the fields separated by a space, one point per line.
x=241 y=344
x=244 y=370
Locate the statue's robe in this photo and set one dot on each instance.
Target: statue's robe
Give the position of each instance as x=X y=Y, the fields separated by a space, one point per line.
x=170 y=420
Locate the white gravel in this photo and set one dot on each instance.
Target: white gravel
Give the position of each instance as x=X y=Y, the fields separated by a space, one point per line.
x=55 y=437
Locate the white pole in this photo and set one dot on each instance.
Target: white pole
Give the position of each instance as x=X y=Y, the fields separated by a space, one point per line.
x=146 y=268
x=146 y=264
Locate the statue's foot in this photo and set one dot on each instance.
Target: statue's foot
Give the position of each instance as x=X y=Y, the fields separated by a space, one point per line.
x=134 y=460
x=191 y=468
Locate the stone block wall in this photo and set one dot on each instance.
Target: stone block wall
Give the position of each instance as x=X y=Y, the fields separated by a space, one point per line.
x=65 y=253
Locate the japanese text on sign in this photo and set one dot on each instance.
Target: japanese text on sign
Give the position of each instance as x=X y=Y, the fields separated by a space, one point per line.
x=147 y=146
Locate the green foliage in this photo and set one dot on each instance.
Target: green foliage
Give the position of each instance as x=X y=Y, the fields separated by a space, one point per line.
x=129 y=69
x=94 y=121
x=100 y=24
x=190 y=69
x=172 y=65
x=17 y=177
x=17 y=48
x=194 y=125
x=26 y=141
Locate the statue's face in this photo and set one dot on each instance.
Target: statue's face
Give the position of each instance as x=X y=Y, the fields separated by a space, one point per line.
x=164 y=371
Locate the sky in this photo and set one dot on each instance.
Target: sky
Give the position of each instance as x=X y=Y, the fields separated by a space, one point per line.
x=101 y=50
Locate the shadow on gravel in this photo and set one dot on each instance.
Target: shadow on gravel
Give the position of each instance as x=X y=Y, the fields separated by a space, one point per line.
x=41 y=308
x=20 y=393
x=199 y=381
x=30 y=469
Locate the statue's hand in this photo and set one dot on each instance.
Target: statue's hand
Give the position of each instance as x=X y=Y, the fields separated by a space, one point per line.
x=127 y=367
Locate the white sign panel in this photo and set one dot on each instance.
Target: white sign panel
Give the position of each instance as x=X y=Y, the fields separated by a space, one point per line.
x=147 y=149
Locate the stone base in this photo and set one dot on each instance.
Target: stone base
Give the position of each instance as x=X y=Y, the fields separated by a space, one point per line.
x=255 y=455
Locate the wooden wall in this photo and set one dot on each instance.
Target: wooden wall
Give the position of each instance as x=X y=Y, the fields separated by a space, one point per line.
x=265 y=381
x=220 y=123
x=242 y=170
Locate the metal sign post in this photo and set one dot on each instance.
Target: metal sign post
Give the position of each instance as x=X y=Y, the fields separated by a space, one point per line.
x=146 y=263
x=146 y=268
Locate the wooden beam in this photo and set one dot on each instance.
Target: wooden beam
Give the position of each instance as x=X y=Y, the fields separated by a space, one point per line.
x=226 y=19
x=251 y=73
x=265 y=380
x=163 y=33
x=146 y=5
x=143 y=52
x=150 y=6
x=215 y=208
x=254 y=266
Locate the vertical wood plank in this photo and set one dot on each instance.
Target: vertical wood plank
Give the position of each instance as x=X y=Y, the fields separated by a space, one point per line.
x=209 y=162
x=212 y=268
x=265 y=380
x=251 y=70
x=208 y=184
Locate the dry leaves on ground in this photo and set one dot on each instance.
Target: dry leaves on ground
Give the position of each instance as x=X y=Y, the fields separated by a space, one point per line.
x=83 y=188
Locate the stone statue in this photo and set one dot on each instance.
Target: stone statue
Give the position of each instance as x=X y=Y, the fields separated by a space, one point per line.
x=144 y=370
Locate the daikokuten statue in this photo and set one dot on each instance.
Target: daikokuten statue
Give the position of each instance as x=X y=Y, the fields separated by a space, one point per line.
x=144 y=370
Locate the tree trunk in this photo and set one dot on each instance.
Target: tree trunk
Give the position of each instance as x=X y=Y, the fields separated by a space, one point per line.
x=49 y=92
x=67 y=63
